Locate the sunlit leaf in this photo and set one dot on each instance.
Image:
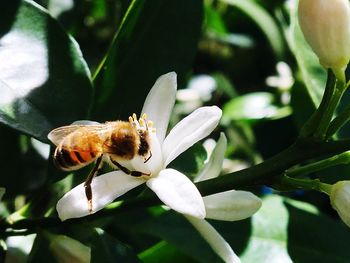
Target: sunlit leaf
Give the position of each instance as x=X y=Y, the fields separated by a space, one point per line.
x=44 y=81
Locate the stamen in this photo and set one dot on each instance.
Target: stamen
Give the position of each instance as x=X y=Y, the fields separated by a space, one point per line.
x=150 y=124
x=154 y=130
x=142 y=122
x=134 y=116
x=144 y=116
x=131 y=120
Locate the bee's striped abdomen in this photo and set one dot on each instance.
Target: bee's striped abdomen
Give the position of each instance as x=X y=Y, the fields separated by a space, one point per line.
x=72 y=160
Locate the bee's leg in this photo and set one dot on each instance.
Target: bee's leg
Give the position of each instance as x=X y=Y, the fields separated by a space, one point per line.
x=88 y=181
x=127 y=171
x=149 y=157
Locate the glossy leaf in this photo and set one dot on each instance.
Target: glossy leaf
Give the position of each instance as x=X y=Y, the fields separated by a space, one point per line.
x=155 y=37
x=44 y=81
x=285 y=230
x=177 y=231
x=164 y=252
x=263 y=20
x=268 y=242
x=326 y=239
x=191 y=161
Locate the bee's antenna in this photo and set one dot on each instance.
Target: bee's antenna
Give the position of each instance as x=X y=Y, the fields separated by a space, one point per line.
x=149 y=157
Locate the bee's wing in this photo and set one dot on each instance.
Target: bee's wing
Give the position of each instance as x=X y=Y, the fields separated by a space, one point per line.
x=57 y=135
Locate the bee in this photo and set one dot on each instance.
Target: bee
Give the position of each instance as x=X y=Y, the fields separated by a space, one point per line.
x=79 y=145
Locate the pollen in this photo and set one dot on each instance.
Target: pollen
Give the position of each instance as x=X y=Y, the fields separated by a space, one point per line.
x=142 y=122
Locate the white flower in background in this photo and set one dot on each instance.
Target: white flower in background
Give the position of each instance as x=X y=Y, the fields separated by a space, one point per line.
x=173 y=188
x=198 y=91
x=326 y=27
x=340 y=200
x=68 y=250
x=226 y=206
x=284 y=79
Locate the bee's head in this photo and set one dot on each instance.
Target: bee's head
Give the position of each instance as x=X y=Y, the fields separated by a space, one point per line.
x=143 y=128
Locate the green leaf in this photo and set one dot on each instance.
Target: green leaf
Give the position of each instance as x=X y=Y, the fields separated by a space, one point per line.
x=164 y=252
x=269 y=235
x=263 y=20
x=191 y=161
x=213 y=20
x=106 y=248
x=44 y=81
x=254 y=106
x=177 y=231
x=22 y=168
x=313 y=74
x=155 y=37
x=294 y=231
x=314 y=237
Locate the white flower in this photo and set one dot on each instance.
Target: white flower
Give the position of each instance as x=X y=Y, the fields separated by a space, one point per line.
x=340 y=200
x=326 y=27
x=172 y=187
x=226 y=206
x=284 y=79
x=198 y=91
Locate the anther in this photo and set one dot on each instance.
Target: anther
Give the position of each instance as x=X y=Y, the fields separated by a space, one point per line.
x=150 y=124
x=142 y=122
x=131 y=119
x=144 y=116
x=154 y=130
x=134 y=116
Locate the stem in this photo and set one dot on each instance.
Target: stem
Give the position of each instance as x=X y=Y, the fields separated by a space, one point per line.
x=262 y=173
x=329 y=112
x=309 y=184
x=311 y=125
x=339 y=121
x=267 y=171
x=343 y=158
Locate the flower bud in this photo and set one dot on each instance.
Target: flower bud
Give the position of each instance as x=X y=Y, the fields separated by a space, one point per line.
x=68 y=250
x=326 y=27
x=340 y=200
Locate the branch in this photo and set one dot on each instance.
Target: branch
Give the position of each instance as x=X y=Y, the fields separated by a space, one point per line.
x=263 y=173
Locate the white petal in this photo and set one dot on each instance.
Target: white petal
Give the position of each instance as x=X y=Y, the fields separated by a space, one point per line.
x=231 y=205
x=190 y=130
x=213 y=167
x=160 y=102
x=214 y=239
x=178 y=192
x=105 y=188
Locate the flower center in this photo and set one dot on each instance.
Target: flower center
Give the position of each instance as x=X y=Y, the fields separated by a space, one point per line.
x=150 y=157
